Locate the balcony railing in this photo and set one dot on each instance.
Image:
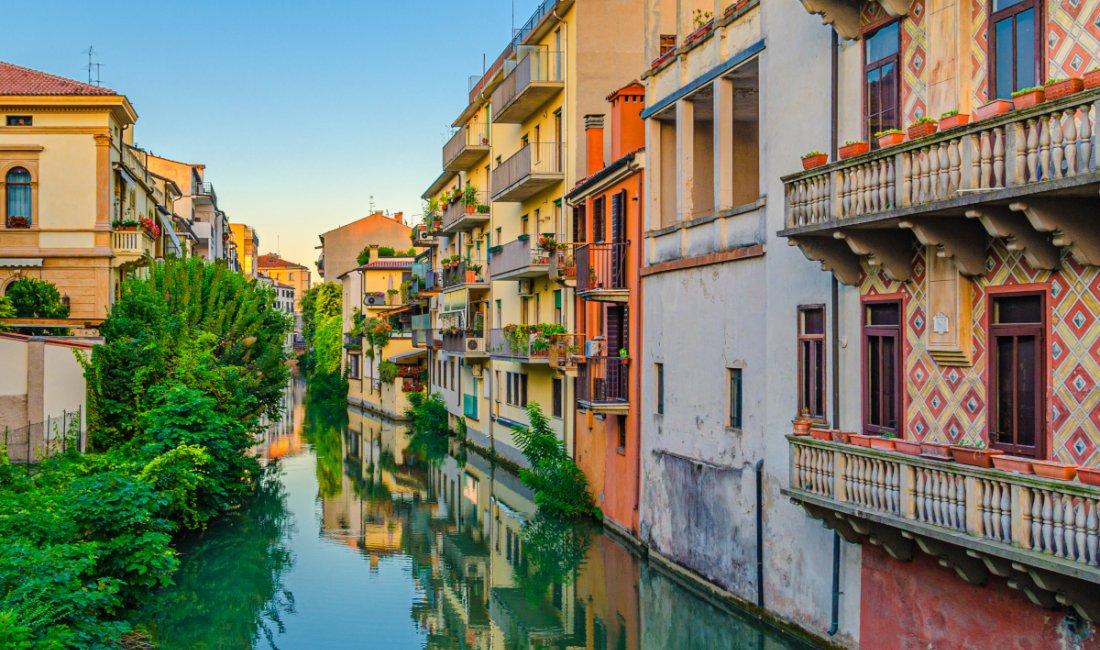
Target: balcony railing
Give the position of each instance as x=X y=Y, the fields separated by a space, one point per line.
x=134 y=243
x=567 y=352
x=537 y=76
x=462 y=274
x=530 y=170
x=425 y=338
x=468 y=145
x=464 y=343
x=603 y=384
x=463 y=215
x=353 y=342
x=1041 y=534
x=519 y=259
x=532 y=348
x=601 y=271
x=563 y=265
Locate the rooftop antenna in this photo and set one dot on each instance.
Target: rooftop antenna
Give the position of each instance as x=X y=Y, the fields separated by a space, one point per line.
x=372 y=204
x=93 y=66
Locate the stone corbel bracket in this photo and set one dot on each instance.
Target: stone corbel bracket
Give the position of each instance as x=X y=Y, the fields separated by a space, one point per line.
x=1018 y=235
x=834 y=256
x=843 y=15
x=890 y=250
x=1071 y=222
x=962 y=240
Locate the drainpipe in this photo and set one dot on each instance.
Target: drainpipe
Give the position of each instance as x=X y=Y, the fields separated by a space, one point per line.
x=639 y=248
x=760 y=533
x=834 y=623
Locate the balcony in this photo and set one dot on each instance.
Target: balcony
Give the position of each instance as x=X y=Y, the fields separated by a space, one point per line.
x=130 y=246
x=425 y=237
x=425 y=338
x=519 y=344
x=563 y=265
x=603 y=385
x=531 y=170
x=567 y=353
x=519 y=259
x=466 y=214
x=1028 y=176
x=425 y=280
x=467 y=146
x=1040 y=534
x=469 y=345
x=467 y=274
x=537 y=76
x=206 y=192
x=601 y=272
x=353 y=342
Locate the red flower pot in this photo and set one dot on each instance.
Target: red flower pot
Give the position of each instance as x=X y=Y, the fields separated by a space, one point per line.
x=1089 y=475
x=825 y=435
x=1092 y=79
x=1054 y=469
x=809 y=162
x=993 y=108
x=907 y=447
x=882 y=443
x=1029 y=99
x=1065 y=88
x=1013 y=464
x=921 y=129
x=854 y=149
x=974 y=456
x=840 y=436
x=954 y=121
x=890 y=139
x=936 y=450
x=860 y=440
x=470 y=209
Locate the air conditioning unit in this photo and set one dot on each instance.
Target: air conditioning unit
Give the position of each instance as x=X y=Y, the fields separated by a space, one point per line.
x=526 y=287
x=423 y=235
x=475 y=345
x=372 y=299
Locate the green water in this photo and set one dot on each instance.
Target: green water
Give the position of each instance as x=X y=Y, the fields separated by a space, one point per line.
x=366 y=537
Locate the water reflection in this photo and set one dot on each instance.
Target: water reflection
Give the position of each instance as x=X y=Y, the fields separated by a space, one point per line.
x=368 y=536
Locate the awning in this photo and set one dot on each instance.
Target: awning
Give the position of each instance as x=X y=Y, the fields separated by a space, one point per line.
x=409 y=356
x=20 y=262
x=396 y=310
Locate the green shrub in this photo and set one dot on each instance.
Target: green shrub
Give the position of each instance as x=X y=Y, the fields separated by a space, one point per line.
x=560 y=487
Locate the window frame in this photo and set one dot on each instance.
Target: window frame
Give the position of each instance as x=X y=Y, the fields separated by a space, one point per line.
x=991 y=43
x=659 y=386
x=866 y=331
x=867 y=66
x=803 y=338
x=31 y=185
x=1041 y=372
x=18 y=120
x=735 y=398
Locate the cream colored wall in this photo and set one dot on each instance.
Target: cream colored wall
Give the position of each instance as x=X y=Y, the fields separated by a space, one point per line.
x=34 y=388
x=63 y=384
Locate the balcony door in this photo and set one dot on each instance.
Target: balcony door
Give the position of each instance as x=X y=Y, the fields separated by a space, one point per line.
x=618 y=237
x=1015 y=46
x=1017 y=373
x=882 y=368
x=882 y=87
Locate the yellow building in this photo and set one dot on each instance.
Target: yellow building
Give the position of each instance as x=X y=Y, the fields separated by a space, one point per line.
x=81 y=209
x=198 y=207
x=247 y=244
x=286 y=272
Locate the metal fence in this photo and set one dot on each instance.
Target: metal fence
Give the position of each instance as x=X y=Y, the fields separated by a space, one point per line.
x=38 y=441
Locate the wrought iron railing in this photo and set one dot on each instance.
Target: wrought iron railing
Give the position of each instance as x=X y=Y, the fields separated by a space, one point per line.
x=604 y=380
x=602 y=266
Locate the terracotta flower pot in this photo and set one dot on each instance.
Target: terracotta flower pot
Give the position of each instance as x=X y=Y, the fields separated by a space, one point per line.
x=821 y=434
x=993 y=108
x=1092 y=79
x=471 y=276
x=1089 y=475
x=1065 y=88
x=853 y=150
x=801 y=427
x=890 y=139
x=860 y=440
x=817 y=160
x=974 y=456
x=1054 y=469
x=882 y=443
x=470 y=209
x=1029 y=99
x=1013 y=464
x=907 y=447
x=954 y=121
x=921 y=129
x=936 y=450
x=840 y=436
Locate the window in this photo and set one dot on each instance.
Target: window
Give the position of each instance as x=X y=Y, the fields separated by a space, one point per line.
x=20 y=209
x=811 y=361
x=881 y=88
x=523 y=390
x=1017 y=373
x=508 y=397
x=1014 y=46
x=353 y=366
x=735 y=404
x=659 y=371
x=557 y=406
x=621 y=435
x=19 y=120
x=580 y=234
x=597 y=219
x=882 y=367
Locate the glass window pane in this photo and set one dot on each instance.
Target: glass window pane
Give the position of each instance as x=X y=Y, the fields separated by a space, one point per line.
x=813 y=321
x=883 y=314
x=1005 y=395
x=818 y=376
x=1025 y=49
x=1026 y=358
x=1005 y=4
x=874 y=396
x=1003 y=64
x=874 y=79
x=1018 y=309
x=883 y=43
x=888 y=98
x=889 y=388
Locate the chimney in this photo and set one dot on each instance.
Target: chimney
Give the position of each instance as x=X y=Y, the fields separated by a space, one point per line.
x=627 y=126
x=399 y=217
x=593 y=143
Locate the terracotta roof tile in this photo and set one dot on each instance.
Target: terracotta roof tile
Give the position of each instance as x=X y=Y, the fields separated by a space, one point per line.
x=273 y=261
x=17 y=80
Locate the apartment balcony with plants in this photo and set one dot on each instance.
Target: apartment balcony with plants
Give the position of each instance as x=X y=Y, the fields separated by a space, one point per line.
x=463 y=334
x=535 y=167
x=601 y=272
x=523 y=258
x=603 y=384
x=466 y=209
x=524 y=343
x=462 y=273
x=468 y=145
x=536 y=76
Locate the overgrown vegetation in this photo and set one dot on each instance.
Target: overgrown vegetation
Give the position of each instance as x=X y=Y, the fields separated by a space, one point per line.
x=34 y=298
x=560 y=487
x=322 y=329
x=193 y=356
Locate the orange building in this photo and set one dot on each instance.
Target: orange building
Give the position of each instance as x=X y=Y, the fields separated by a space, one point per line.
x=608 y=233
x=286 y=272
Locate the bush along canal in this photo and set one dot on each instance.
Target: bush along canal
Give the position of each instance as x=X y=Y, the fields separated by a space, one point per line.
x=366 y=535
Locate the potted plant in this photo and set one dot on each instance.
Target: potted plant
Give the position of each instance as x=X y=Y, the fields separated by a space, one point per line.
x=1014 y=464
x=993 y=108
x=1092 y=78
x=802 y=423
x=482 y=208
x=924 y=126
x=910 y=447
x=853 y=148
x=1060 y=87
x=825 y=435
x=16 y=221
x=473 y=272
x=1054 y=469
x=974 y=453
x=1028 y=97
x=859 y=439
x=953 y=120
x=547 y=243
x=885 y=441
x=814 y=159
x=1089 y=475
x=624 y=356
x=890 y=137
x=703 y=23
x=839 y=436
x=936 y=450
x=471 y=199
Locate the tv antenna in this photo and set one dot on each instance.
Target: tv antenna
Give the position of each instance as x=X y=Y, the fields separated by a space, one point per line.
x=93 y=67
x=371 y=204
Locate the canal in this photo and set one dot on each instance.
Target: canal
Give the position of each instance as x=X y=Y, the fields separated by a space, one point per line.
x=365 y=536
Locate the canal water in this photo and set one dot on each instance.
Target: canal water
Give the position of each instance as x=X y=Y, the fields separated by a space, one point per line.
x=365 y=536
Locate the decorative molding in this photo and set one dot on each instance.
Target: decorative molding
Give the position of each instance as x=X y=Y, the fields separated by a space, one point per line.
x=834 y=255
x=1071 y=222
x=1018 y=235
x=965 y=241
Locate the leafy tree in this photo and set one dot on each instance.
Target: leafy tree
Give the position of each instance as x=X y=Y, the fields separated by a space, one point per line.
x=560 y=487
x=6 y=311
x=34 y=298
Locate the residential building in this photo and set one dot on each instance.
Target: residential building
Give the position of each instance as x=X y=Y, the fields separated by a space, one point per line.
x=198 y=206
x=289 y=273
x=284 y=302
x=247 y=245
x=604 y=266
x=968 y=272
x=81 y=209
x=340 y=247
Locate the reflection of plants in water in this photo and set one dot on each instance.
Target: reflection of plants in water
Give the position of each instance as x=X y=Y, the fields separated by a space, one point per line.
x=326 y=418
x=228 y=589
x=554 y=552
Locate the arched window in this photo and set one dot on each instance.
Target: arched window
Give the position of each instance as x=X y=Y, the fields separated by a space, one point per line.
x=19 y=210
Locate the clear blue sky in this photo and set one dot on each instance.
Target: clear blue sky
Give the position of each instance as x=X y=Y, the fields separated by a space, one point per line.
x=300 y=110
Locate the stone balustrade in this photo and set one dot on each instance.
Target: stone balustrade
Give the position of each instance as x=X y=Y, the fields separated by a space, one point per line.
x=1052 y=141
x=1042 y=534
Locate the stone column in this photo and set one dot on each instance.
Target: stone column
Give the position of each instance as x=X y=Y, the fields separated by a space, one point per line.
x=685 y=158
x=723 y=144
